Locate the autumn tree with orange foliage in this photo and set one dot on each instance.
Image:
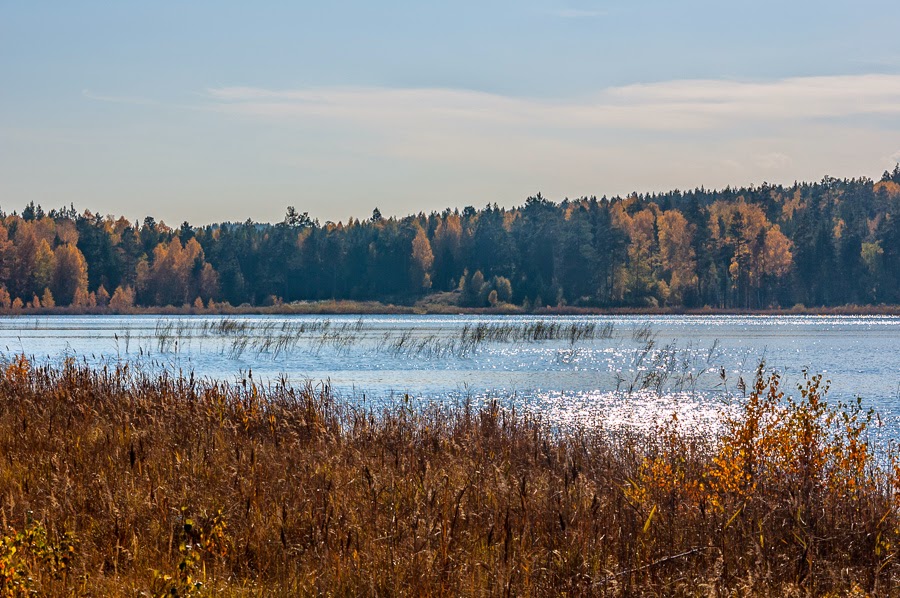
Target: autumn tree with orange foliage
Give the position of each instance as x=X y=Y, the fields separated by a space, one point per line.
x=677 y=255
x=70 y=275
x=177 y=274
x=754 y=251
x=422 y=260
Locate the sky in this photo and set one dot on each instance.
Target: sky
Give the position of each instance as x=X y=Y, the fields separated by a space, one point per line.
x=208 y=111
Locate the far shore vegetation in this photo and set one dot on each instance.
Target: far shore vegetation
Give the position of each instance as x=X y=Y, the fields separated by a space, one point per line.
x=437 y=306
x=804 y=248
x=117 y=482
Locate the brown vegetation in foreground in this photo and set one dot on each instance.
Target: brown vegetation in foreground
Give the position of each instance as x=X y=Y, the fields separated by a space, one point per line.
x=117 y=483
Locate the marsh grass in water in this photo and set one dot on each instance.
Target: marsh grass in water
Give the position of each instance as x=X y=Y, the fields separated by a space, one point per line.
x=277 y=338
x=668 y=368
x=116 y=482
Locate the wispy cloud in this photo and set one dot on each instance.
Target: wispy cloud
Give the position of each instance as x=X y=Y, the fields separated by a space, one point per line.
x=666 y=106
x=800 y=97
x=87 y=93
x=346 y=149
x=654 y=136
x=774 y=161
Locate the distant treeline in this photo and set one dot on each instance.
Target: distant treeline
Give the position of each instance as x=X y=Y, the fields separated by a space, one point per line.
x=830 y=243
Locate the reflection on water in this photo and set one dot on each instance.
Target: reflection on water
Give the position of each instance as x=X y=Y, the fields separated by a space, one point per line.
x=621 y=370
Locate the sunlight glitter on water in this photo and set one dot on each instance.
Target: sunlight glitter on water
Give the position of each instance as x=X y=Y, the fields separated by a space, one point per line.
x=630 y=371
x=642 y=410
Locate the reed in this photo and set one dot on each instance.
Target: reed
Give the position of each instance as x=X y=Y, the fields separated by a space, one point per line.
x=270 y=338
x=118 y=482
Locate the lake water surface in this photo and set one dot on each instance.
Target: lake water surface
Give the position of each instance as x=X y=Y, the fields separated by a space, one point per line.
x=630 y=370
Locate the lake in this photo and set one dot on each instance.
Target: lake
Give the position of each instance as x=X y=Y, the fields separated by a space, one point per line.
x=622 y=370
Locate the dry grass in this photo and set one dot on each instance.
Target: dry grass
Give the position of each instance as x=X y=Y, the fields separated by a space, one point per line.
x=119 y=483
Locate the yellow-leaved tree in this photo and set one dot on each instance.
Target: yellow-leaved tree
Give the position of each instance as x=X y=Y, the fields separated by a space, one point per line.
x=122 y=300
x=677 y=254
x=422 y=260
x=70 y=274
x=47 y=299
x=756 y=250
x=44 y=265
x=637 y=280
x=177 y=275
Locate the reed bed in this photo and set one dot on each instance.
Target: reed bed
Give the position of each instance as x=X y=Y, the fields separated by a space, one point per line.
x=115 y=482
x=535 y=331
x=270 y=338
x=277 y=338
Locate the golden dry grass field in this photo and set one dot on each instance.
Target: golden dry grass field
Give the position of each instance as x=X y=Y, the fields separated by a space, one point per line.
x=117 y=483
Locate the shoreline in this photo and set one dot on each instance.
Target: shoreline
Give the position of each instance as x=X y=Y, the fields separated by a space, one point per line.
x=326 y=308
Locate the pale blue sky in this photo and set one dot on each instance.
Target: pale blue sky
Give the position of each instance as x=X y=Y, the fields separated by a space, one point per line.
x=210 y=111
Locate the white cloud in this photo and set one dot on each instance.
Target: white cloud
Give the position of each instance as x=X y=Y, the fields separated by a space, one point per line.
x=339 y=151
x=467 y=147
x=667 y=106
x=799 y=97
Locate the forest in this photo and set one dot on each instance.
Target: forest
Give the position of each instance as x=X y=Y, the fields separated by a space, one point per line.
x=831 y=243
